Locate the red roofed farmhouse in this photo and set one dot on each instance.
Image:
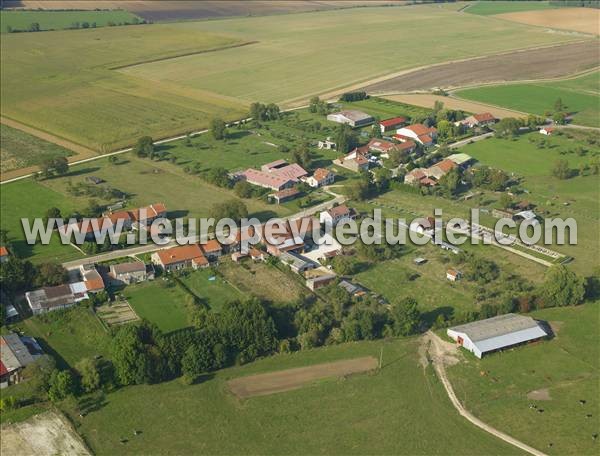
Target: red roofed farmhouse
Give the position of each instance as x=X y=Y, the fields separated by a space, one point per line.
x=480 y=120
x=180 y=257
x=420 y=133
x=392 y=124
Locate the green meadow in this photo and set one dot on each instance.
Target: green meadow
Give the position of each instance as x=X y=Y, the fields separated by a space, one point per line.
x=392 y=411
x=58 y=20
x=580 y=95
x=500 y=388
x=488 y=8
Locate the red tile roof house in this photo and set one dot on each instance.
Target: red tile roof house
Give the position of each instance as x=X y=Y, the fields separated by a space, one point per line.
x=284 y=195
x=3 y=254
x=479 y=120
x=212 y=249
x=440 y=169
x=392 y=124
x=380 y=145
x=453 y=275
x=547 y=131
x=415 y=176
x=276 y=175
x=320 y=177
x=180 y=257
x=420 y=133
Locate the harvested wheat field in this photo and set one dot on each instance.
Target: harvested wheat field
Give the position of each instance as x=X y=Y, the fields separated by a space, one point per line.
x=541 y=63
x=585 y=20
x=290 y=379
x=427 y=101
x=45 y=434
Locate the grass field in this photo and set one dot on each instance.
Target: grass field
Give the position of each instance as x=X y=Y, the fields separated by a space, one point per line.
x=549 y=193
x=30 y=199
x=74 y=93
x=19 y=149
x=159 y=304
x=488 y=8
x=145 y=182
x=393 y=411
x=566 y=368
x=59 y=20
x=215 y=293
x=580 y=95
x=69 y=335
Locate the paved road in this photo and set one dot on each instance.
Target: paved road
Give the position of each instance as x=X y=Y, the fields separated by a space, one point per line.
x=438 y=352
x=464 y=142
x=140 y=250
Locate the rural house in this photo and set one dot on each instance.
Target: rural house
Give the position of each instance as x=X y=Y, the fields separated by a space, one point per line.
x=453 y=275
x=548 y=131
x=297 y=263
x=47 y=299
x=337 y=214
x=351 y=117
x=276 y=175
x=357 y=160
x=91 y=278
x=3 y=254
x=16 y=353
x=440 y=169
x=419 y=133
x=180 y=257
x=479 y=120
x=319 y=281
x=496 y=333
x=392 y=124
x=408 y=145
x=128 y=273
x=287 y=194
x=328 y=144
x=381 y=145
x=320 y=178
x=463 y=161
x=212 y=249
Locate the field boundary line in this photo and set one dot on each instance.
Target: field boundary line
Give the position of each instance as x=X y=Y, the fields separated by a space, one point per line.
x=184 y=54
x=438 y=364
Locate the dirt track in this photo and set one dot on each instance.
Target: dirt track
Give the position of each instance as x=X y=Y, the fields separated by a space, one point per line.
x=290 y=379
x=549 y=62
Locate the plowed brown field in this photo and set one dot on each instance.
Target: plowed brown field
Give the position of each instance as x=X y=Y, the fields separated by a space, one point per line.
x=290 y=379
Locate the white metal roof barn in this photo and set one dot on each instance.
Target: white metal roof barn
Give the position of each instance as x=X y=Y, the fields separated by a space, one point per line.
x=496 y=333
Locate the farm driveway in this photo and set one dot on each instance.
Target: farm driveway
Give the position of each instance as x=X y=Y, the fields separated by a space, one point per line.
x=443 y=353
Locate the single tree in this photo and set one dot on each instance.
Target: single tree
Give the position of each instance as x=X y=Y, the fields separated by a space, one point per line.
x=218 y=128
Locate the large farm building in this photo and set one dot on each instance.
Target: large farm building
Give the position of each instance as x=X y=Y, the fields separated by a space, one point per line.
x=496 y=333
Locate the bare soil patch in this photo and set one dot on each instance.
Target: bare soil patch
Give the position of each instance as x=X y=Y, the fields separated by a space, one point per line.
x=290 y=379
x=47 y=434
x=541 y=63
x=427 y=101
x=584 y=20
x=539 y=395
x=193 y=10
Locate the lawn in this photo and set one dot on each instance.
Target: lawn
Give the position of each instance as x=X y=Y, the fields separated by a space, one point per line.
x=580 y=193
x=160 y=302
x=393 y=411
x=75 y=92
x=68 y=335
x=30 y=199
x=487 y=8
x=210 y=288
x=59 y=20
x=19 y=149
x=495 y=388
x=580 y=95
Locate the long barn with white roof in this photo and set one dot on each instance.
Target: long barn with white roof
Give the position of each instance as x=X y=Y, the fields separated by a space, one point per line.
x=496 y=333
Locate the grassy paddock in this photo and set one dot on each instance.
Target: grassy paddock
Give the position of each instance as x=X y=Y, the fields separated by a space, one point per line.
x=365 y=410
x=488 y=8
x=580 y=95
x=59 y=20
x=496 y=388
x=215 y=293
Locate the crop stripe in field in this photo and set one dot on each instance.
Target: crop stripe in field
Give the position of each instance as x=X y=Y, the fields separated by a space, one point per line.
x=184 y=54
